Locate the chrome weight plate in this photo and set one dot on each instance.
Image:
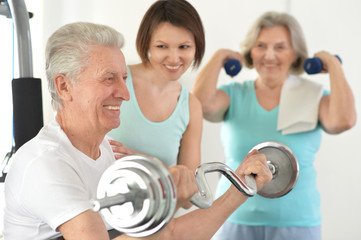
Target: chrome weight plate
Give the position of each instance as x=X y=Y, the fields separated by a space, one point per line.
x=133 y=212
x=284 y=167
x=149 y=192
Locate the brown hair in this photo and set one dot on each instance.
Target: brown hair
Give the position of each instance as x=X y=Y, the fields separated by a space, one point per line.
x=179 y=13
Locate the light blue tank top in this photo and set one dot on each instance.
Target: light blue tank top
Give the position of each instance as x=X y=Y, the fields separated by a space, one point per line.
x=247 y=124
x=158 y=139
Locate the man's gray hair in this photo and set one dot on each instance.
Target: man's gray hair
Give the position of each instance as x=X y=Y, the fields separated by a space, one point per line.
x=68 y=48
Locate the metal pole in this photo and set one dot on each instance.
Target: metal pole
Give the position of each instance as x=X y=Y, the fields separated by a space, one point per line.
x=20 y=16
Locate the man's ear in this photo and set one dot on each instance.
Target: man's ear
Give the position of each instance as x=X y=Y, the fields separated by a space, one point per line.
x=63 y=87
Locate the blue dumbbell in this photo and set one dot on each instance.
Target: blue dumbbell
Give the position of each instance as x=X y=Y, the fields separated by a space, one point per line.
x=314 y=65
x=232 y=67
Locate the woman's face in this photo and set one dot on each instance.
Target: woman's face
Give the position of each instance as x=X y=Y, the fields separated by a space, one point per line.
x=172 y=50
x=273 y=54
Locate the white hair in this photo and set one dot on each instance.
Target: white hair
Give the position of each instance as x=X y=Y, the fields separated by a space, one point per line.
x=68 y=48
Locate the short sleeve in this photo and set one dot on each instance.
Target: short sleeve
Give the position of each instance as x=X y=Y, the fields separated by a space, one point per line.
x=227 y=87
x=53 y=191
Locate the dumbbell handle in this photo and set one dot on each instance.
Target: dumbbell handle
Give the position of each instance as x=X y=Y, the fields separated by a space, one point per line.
x=118 y=199
x=204 y=199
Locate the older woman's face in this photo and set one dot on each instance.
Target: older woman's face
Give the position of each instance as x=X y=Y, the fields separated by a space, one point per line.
x=100 y=90
x=273 y=54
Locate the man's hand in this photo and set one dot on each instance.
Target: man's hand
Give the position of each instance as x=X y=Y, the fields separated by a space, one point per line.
x=185 y=184
x=255 y=164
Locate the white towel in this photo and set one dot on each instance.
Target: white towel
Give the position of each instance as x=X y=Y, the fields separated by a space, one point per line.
x=298 y=108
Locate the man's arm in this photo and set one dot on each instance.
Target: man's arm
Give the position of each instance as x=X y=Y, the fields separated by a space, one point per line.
x=202 y=224
x=89 y=225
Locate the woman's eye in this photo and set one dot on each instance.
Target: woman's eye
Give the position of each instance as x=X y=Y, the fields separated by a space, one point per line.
x=184 y=47
x=161 y=46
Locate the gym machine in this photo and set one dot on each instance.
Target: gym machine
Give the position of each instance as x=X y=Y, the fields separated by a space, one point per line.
x=26 y=90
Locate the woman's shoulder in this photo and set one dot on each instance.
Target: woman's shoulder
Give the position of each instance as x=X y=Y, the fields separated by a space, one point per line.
x=137 y=71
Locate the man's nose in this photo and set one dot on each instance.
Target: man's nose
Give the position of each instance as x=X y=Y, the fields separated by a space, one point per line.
x=122 y=90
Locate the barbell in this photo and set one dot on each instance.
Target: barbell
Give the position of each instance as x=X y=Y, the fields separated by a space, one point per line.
x=137 y=196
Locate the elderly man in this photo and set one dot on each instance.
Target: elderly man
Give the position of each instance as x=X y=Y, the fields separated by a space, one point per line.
x=54 y=176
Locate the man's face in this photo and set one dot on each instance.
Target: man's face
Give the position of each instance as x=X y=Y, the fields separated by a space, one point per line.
x=100 y=90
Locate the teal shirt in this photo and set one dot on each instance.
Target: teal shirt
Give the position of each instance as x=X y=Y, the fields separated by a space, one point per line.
x=158 y=139
x=247 y=124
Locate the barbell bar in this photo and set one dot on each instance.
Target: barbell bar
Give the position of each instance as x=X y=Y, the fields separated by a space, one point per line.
x=137 y=195
x=281 y=161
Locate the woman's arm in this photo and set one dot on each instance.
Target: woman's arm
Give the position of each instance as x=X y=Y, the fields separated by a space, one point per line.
x=190 y=147
x=337 y=111
x=214 y=102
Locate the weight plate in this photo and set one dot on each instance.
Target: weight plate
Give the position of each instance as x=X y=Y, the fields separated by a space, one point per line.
x=286 y=169
x=167 y=196
x=148 y=215
x=136 y=211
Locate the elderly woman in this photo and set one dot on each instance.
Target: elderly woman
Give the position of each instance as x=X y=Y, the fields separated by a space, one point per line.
x=280 y=106
x=54 y=176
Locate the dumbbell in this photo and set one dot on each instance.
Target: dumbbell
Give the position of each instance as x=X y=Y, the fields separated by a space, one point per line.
x=137 y=195
x=315 y=65
x=232 y=67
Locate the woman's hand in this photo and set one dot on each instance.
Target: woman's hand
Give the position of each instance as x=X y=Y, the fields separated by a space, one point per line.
x=328 y=60
x=120 y=150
